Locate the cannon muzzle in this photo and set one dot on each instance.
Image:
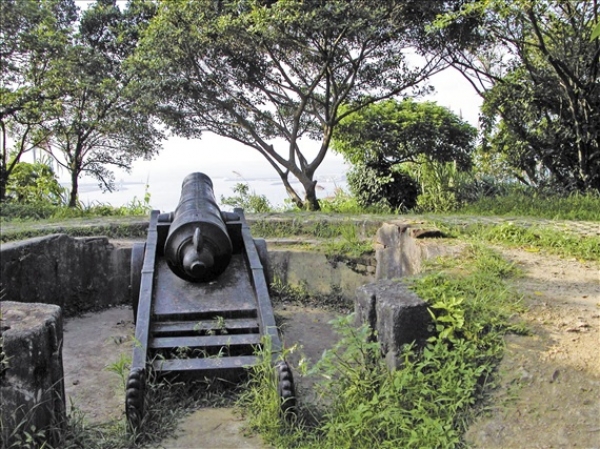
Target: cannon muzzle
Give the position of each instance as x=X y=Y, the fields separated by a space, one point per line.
x=198 y=247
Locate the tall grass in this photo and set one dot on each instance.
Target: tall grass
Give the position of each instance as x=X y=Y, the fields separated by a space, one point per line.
x=44 y=211
x=430 y=400
x=520 y=203
x=532 y=239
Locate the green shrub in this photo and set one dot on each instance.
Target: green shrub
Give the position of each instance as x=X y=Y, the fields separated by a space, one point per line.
x=34 y=183
x=383 y=189
x=249 y=201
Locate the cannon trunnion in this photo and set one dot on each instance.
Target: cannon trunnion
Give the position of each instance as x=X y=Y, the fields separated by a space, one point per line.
x=198 y=247
x=200 y=297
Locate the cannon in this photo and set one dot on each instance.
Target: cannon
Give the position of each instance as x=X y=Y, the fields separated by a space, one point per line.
x=200 y=298
x=198 y=247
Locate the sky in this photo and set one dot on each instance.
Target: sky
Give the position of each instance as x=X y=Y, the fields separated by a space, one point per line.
x=220 y=156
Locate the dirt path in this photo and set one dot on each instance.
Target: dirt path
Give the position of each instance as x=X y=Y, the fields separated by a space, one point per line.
x=549 y=393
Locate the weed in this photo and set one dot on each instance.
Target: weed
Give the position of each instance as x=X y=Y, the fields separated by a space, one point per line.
x=121 y=368
x=251 y=202
x=531 y=203
x=431 y=398
x=261 y=404
x=535 y=238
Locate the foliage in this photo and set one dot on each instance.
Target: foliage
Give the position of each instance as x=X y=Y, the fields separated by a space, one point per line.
x=381 y=139
x=34 y=183
x=596 y=32
x=47 y=211
x=254 y=71
x=537 y=239
x=343 y=202
x=250 y=202
x=392 y=132
x=67 y=93
x=104 y=118
x=442 y=185
x=536 y=67
x=514 y=201
x=430 y=399
x=33 y=40
x=260 y=403
x=382 y=189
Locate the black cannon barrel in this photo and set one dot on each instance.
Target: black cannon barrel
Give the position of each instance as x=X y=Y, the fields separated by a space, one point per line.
x=198 y=247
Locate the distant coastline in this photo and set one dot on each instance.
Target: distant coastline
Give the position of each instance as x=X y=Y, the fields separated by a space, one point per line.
x=164 y=192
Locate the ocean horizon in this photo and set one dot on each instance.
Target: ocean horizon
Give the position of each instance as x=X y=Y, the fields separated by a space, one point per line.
x=165 y=191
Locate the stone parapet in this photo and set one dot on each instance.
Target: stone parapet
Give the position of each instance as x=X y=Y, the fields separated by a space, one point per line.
x=400 y=249
x=31 y=378
x=77 y=274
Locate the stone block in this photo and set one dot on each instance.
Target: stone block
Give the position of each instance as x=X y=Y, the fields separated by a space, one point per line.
x=31 y=379
x=395 y=313
x=75 y=274
x=400 y=249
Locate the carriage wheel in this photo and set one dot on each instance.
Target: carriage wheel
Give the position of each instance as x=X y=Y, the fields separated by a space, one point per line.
x=286 y=390
x=134 y=398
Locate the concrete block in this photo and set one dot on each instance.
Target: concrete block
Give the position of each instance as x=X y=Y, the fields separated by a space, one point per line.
x=395 y=313
x=31 y=379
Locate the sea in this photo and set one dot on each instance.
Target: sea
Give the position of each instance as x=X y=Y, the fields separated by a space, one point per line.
x=162 y=178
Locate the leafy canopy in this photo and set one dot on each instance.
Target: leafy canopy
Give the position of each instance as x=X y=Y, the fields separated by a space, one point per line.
x=269 y=74
x=393 y=132
x=536 y=64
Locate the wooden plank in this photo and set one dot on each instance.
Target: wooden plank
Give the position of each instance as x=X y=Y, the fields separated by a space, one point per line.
x=261 y=289
x=142 y=323
x=205 y=341
x=191 y=327
x=205 y=364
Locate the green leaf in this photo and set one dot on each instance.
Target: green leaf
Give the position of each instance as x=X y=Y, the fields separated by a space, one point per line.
x=595 y=32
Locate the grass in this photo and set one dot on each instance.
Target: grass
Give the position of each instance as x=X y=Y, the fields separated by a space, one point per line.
x=585 y=207
x=533 y=239
x=430 y=400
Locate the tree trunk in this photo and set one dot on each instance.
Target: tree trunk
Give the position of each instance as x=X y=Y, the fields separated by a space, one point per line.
x=310 y=199
x=3 y=181
x=74 y=188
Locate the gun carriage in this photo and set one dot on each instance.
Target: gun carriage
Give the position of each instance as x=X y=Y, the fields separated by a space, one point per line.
x=200 y=297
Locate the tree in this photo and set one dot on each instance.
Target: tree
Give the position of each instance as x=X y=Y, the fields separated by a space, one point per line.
x=104 y=119
x=537 y=67
x=34 y=183
x=33 y=39
x=255 y=71
x=382 y=137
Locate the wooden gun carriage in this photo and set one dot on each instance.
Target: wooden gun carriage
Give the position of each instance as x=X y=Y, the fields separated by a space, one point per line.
x=200 y=297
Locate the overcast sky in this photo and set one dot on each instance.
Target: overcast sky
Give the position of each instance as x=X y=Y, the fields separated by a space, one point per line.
x=221 y=156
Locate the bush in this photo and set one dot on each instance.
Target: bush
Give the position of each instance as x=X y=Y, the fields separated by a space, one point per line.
x=34 y=184
x=382 y=188
x=250 y=202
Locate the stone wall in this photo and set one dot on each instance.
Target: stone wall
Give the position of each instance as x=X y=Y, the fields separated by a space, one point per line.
x=319 y=274
x=401 y=249
x=77 y=274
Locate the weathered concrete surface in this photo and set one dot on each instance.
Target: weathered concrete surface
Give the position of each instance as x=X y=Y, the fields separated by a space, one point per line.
x=31 y=380
x=212 y=428
x=75 y=274
x=395 y=313
x=319 y=275
x=400 y=249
